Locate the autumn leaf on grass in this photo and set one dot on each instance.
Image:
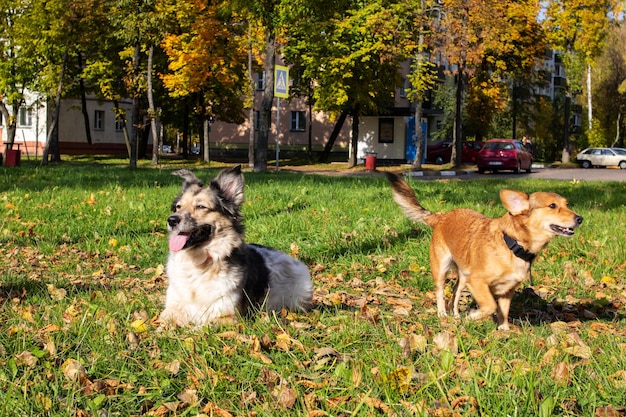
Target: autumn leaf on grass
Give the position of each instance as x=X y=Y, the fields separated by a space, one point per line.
x=26 y=358
x=164 y=409
x=618 y=379
x=572 y=343
x=610 y=411
x=325 y=355
x=285 y=395
x=189 y=396
x=56 y=294
x=377 y=404
x=74 y=371
x=561 y=373
x=446 y=341
x=212 y=409
x=400 y=379
x=413 y=343
x=91 y=200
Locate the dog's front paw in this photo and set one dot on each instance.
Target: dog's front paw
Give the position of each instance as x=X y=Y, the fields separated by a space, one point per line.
x=169 y=317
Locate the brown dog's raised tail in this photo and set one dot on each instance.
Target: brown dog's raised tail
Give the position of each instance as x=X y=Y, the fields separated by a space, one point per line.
x=405 y=197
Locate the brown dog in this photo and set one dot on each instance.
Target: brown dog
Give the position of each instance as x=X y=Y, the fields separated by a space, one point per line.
x=492 y=256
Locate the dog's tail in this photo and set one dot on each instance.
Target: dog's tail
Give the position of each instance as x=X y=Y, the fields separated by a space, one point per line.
x=405 y=197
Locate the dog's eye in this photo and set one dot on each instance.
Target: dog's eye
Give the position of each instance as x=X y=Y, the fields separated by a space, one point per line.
x=200 y=207
x=552 y=206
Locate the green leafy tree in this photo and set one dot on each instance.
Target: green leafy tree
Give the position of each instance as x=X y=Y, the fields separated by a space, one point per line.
x=352 y=51
x=577 y=28
x=19 y=65
x=207 y=63
x=610 y=87
x=495 y=53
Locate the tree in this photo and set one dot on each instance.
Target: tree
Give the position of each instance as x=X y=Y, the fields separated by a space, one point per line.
x=422 y=77
x=474 y=45
x=207 y=58
x=352 y=51
x=610 y=88
x=18 y=61
x=576 y=28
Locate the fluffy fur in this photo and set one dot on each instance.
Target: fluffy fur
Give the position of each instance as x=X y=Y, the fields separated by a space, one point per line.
x=476 y=246
x=213 y=274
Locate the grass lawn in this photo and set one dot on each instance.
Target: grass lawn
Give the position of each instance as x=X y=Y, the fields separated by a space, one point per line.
x=82 y=251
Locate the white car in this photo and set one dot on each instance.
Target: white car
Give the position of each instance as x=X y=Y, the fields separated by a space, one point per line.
x=602 y=157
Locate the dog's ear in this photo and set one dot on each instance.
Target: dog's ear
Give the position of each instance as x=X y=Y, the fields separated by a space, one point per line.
x=189 y=178
x=230 y=184
x=516 y=202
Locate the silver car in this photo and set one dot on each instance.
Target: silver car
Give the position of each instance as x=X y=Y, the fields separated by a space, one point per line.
x=602 y=157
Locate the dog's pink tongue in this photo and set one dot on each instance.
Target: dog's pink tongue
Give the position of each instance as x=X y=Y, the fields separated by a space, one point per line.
x=177 y=242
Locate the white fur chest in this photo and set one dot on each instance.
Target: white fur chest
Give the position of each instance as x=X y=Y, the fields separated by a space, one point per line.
x=199 y=291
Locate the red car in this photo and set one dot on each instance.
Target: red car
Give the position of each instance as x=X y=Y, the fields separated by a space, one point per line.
x=441 y=152
x=501 y=154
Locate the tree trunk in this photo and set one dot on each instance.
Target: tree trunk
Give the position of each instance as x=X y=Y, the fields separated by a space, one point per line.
x=333 y=137
x=457 y=136
x=617 y=126
x=265 y=115
x=152 y=109
x=514 y=111
x=205 y=134
x=134 y=138
x=565 y=155
x=11 y=126
x=310 y=149
x=52 y=141
x=419 y=137
x=120 y=113
x=589 y=98
x=354 y=140
x=83 y=101
x=252 y=101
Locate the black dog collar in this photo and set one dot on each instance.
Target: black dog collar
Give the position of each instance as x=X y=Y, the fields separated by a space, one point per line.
x=518 y=250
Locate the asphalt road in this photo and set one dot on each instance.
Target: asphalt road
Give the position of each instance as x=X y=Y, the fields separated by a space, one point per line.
x=569 y=174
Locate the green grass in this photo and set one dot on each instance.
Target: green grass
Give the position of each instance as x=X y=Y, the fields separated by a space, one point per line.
x=82 y=247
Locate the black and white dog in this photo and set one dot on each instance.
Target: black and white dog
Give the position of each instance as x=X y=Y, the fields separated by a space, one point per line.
x=214 y=276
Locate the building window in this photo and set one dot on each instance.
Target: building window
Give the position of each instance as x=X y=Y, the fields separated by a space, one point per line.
x=260 y=81
x=98 y=120
x=385 y=130
x=26 y=117
x=298 y=121
x=405 y=86
x=119 y=123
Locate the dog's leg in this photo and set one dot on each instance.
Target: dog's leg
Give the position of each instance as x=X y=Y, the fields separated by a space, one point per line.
x=504 y=305
x=439 y=265
x=458 y=289
x=482 y=294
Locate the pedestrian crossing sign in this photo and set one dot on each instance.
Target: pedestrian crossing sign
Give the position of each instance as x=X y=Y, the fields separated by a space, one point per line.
x=281 y=81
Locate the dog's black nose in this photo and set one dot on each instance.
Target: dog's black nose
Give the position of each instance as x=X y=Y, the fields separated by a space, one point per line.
x=173 y=220
x=578 y=220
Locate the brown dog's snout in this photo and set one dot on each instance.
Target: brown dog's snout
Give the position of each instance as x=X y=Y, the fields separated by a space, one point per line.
x=173 y=220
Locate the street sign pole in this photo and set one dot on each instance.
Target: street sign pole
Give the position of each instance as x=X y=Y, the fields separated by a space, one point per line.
x=281 y=90
x=277 y=131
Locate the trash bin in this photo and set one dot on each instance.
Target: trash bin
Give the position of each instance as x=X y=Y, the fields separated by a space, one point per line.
x=12 y=157
x=370 y=161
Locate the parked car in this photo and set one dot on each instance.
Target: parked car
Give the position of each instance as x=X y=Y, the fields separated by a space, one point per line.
x=441 y=152
x=504 y=154
x=602 y=157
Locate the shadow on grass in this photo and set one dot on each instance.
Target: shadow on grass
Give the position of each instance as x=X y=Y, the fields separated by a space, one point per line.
x=530 y=307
